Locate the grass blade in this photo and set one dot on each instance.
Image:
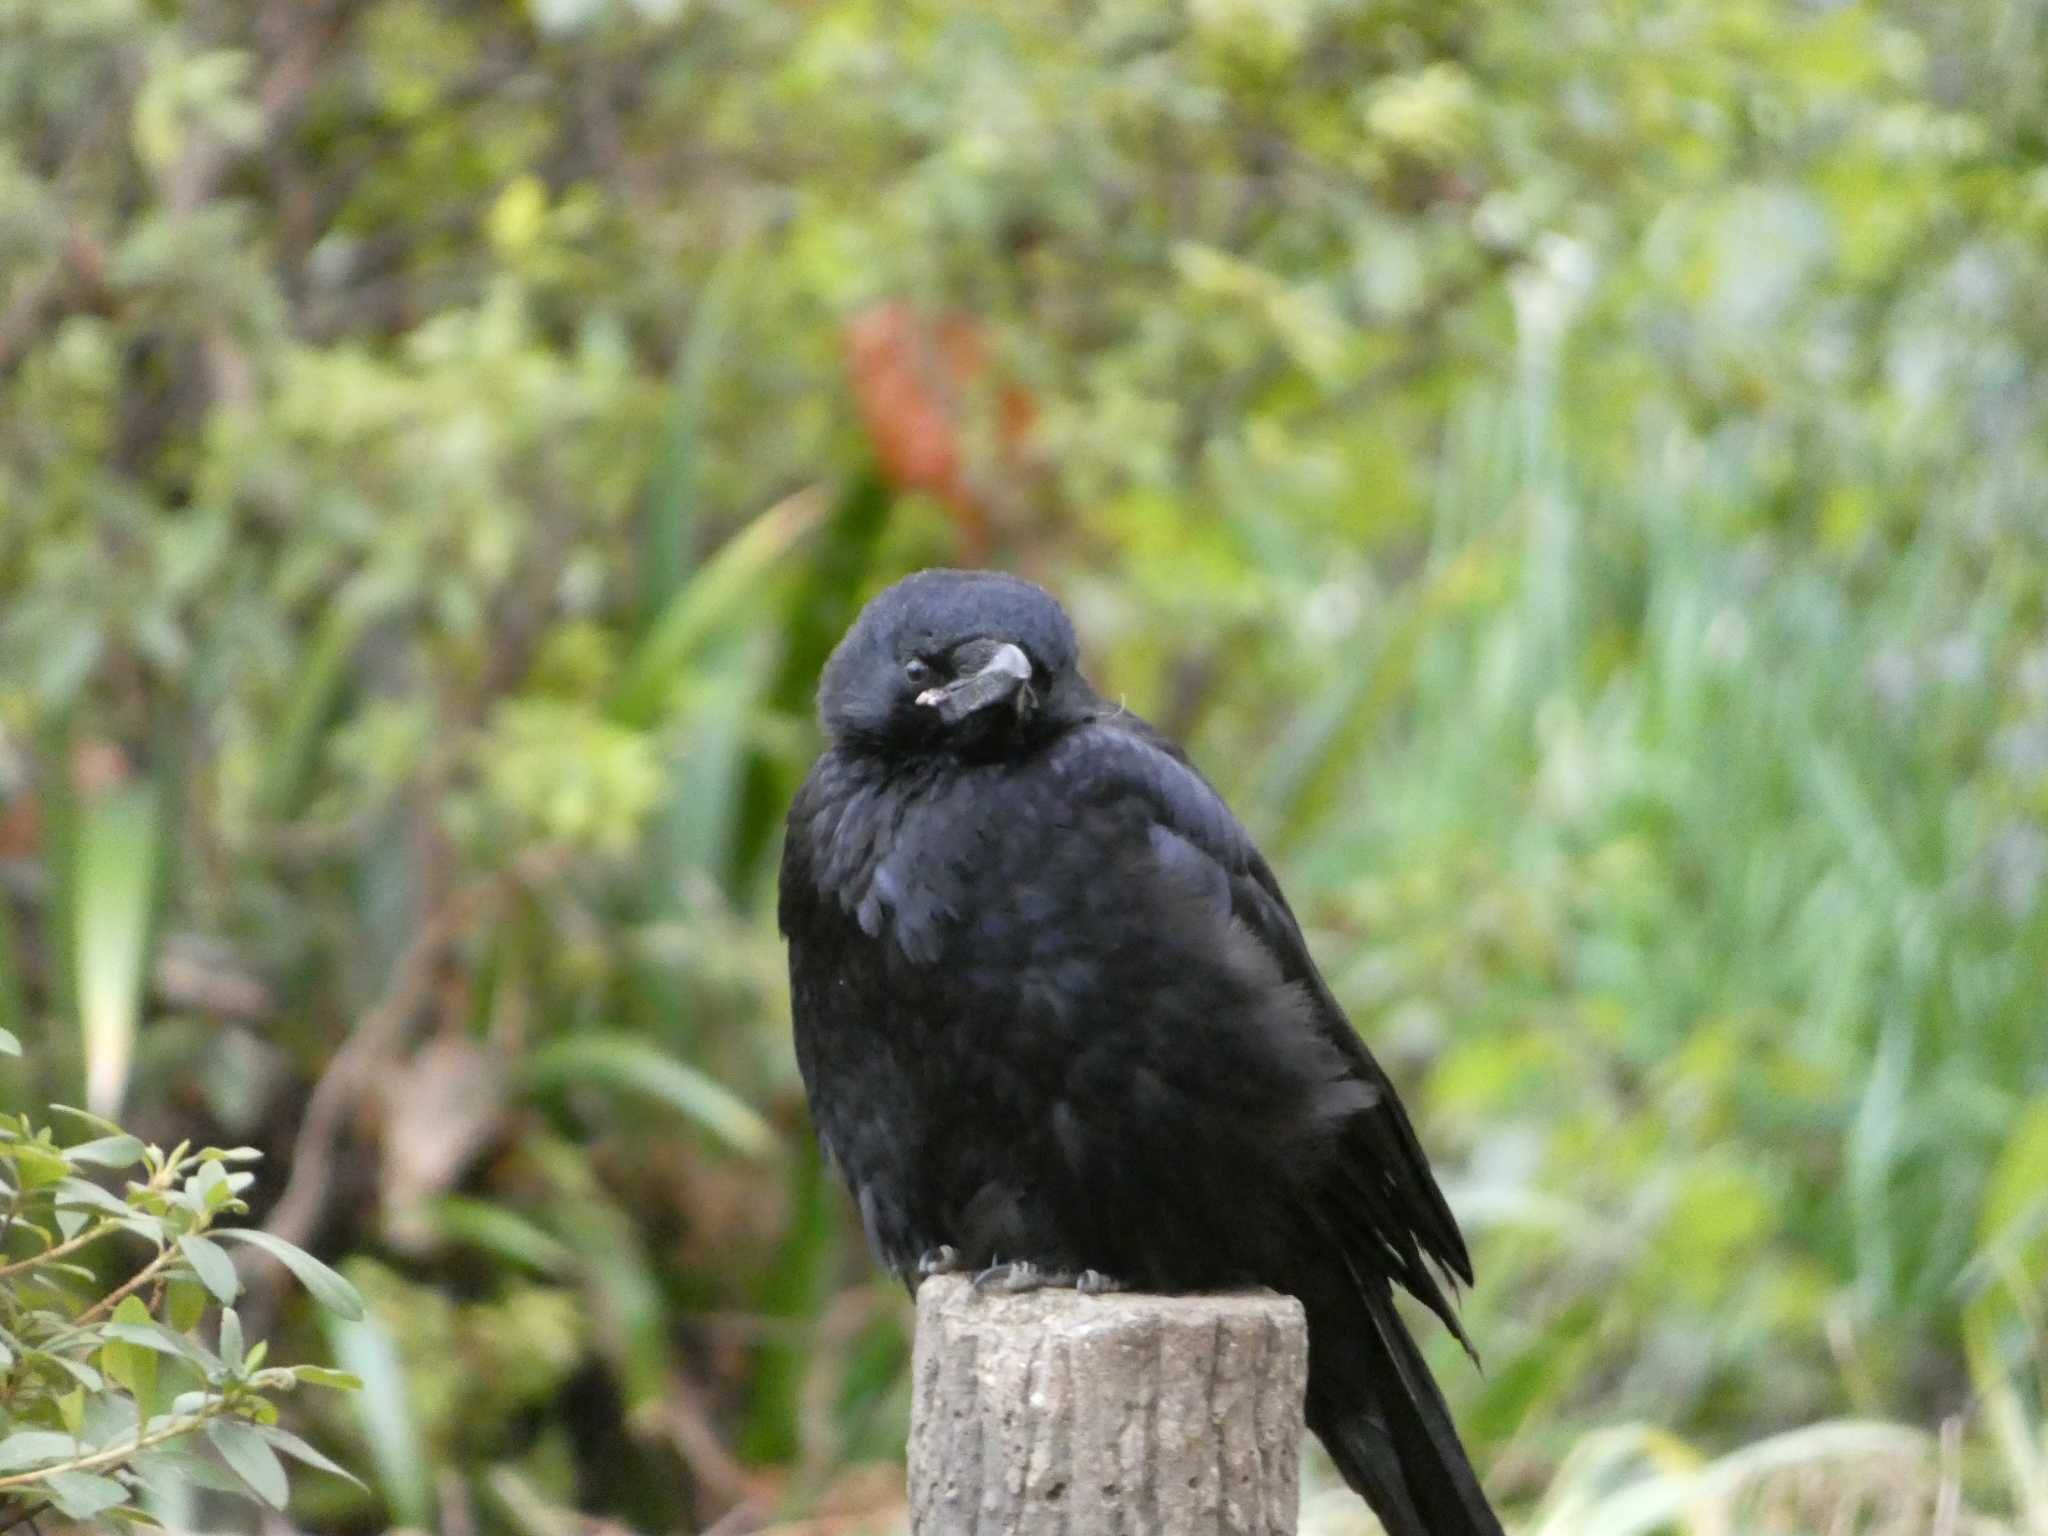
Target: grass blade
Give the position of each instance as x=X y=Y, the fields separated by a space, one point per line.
x=364 y=1348
x=821 y=606
x=114 y=882
x=631 y=1065
x=726 y=587
x=315 y=692
x=670 y=515
x=13 y=1000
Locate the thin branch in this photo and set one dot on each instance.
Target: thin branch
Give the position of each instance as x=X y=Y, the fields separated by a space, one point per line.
x=354 y=1067
x=114 y=1298
x=114 y=1455
x=90 y=1234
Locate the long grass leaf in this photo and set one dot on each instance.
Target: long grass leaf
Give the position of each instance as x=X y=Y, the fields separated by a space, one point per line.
x=618 y=1275
x=13 y=1000
x=14 y=1072
x=2015 y=1251
x=114 y=882
x=698 y=823
x=669 y=515
x=316 y=690
x=724 y=588
x=501 y=1232
x=363 y=1347
x=820 y=607
x=627 y=1064
x=795 y=1286
x=1678 y=1488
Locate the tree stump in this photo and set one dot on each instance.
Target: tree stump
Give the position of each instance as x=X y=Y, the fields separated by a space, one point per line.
x=1058 y=1414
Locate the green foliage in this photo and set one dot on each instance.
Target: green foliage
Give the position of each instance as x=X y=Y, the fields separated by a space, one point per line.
x=1571 y=473
x=112 y=1397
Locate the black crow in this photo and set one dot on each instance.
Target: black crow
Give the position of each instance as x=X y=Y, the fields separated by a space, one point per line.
x=1058 y=1025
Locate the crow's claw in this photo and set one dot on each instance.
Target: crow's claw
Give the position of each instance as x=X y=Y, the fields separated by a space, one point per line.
x=942 y=1260
x=1016 y=1278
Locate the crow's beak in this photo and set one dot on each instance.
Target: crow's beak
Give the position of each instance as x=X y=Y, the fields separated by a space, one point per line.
x=1002 y=677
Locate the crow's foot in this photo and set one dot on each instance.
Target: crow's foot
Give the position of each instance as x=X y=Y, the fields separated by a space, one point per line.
x=1014 y=1279
x=942 y=1260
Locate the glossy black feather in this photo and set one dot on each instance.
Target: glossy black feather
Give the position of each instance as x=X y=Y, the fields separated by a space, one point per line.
x=1051 y=1005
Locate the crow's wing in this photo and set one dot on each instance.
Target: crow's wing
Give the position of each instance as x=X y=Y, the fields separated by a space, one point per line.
x=1383 y=1178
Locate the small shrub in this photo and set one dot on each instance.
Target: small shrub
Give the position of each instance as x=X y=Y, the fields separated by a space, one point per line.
x=109 y=1393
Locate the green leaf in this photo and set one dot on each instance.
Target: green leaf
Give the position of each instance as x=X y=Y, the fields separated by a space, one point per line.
x=129 y=1355
x=149 y=1228
x=110 y=1419
x=121 y=1151
x=251 y=1458
x=322 y=1376
x=212 y=1265
x=209 y=1185
x=628 y=1064
x=27 y=1448
x=160 y=1340
x=185 y=1302
x=299 y=1450
x=81 y=1495
x=77 y=1370
x=327 y=1287
x=170 y=1469
x=39 y=1167
x=231 y=1338
x=82 y=1192
x=86 y=1117
x=9 y=1046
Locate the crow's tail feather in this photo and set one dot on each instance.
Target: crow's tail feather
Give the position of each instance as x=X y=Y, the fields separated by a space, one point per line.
x=1377 y=1410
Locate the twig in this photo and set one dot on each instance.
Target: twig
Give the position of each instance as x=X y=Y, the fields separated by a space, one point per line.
x=114 y=1298
x=1948 y=1497
x=458 y=1516
x=741 y=1520
x=680 y=1417
x=90 y=1234
x=353 y=1066
x=113 y=1455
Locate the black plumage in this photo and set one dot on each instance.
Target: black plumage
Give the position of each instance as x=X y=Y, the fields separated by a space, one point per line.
x=1056 y=1019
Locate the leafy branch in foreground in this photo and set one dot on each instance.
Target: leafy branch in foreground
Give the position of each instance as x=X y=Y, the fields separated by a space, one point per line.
x=110 y=1393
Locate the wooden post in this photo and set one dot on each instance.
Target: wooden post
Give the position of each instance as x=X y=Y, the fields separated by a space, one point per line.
x=1058 y=1414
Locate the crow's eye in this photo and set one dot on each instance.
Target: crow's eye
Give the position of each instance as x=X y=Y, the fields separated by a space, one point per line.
x=917 y=669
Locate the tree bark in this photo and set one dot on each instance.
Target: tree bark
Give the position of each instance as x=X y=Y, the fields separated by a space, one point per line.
x=1058 y=1414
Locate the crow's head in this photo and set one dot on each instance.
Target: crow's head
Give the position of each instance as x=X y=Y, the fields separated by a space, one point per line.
x=971 y=662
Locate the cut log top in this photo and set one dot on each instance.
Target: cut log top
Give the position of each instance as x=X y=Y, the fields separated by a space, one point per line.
x=1121 y=1415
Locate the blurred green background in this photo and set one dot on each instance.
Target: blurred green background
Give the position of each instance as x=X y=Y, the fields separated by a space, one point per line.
x=1574 y=471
